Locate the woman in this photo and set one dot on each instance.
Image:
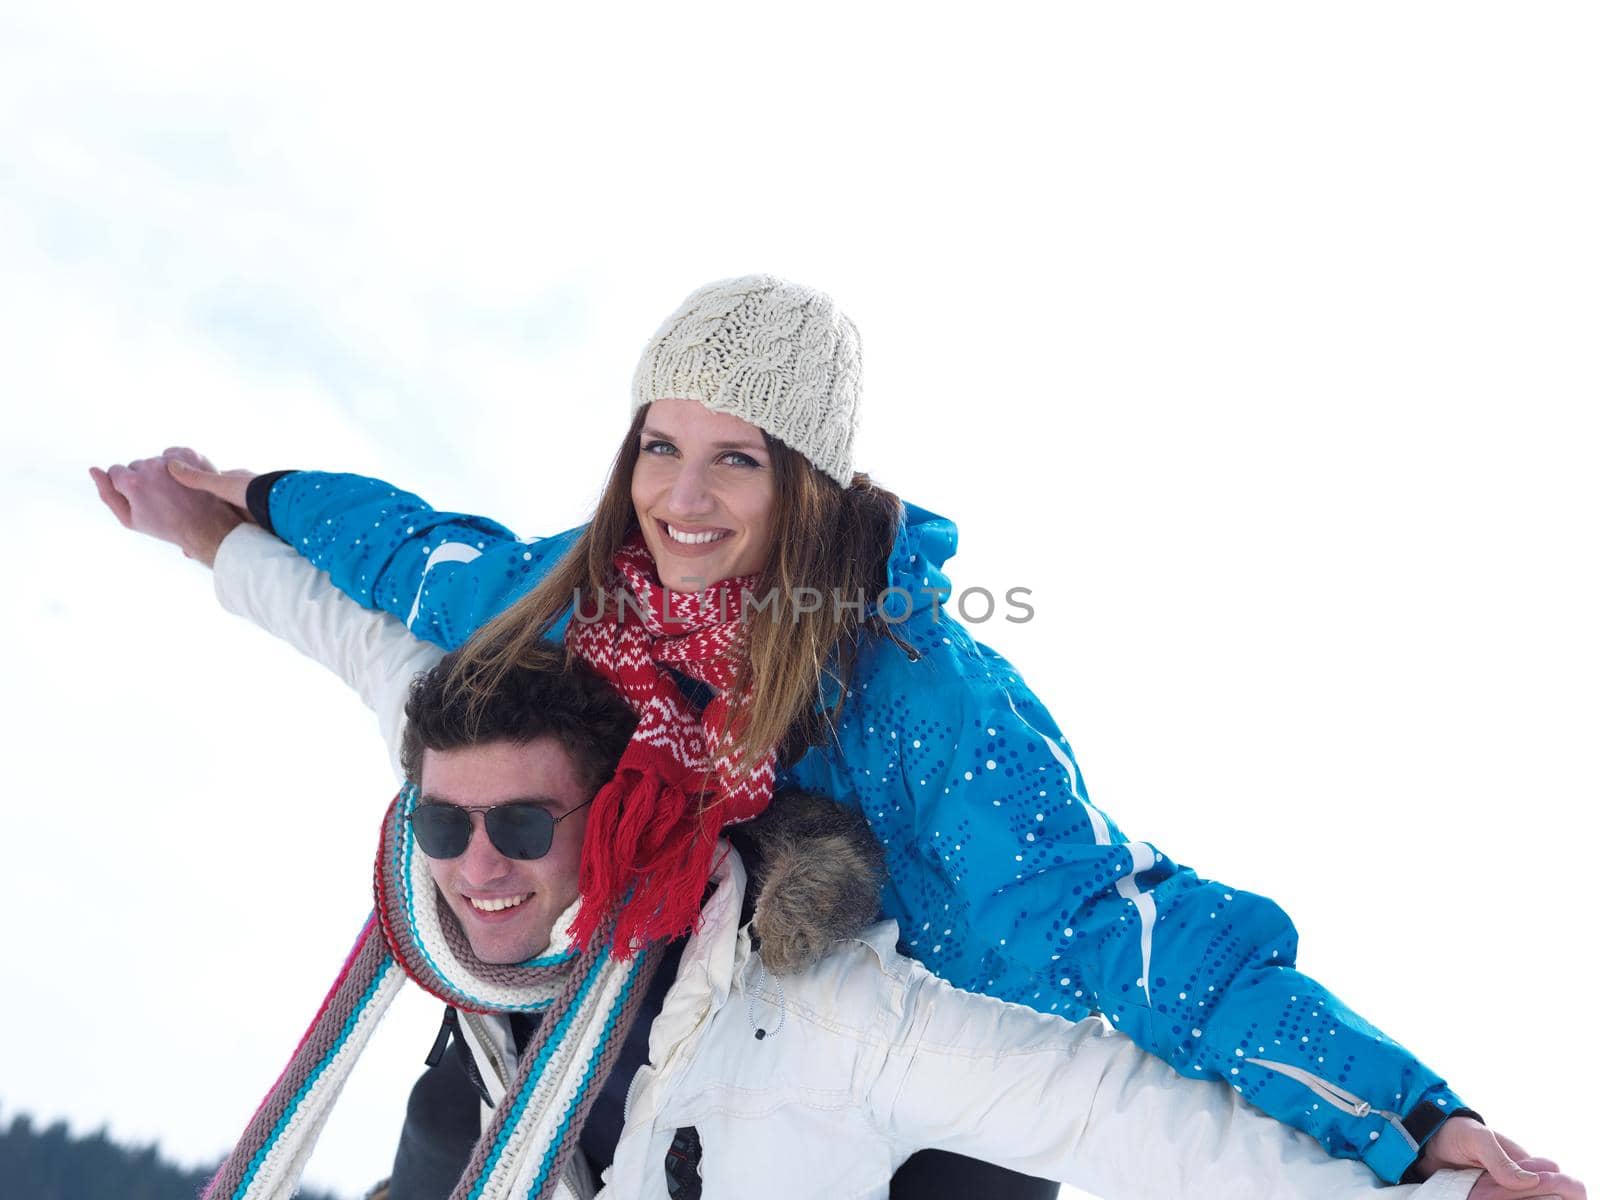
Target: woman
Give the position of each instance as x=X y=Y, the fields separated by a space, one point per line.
x=735 y=480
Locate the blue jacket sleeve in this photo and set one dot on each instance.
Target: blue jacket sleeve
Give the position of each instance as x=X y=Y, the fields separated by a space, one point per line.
x=442 y=573
x=1007 y=880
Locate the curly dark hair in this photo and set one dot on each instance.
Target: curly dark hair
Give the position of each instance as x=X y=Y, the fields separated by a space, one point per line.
x=540 y=697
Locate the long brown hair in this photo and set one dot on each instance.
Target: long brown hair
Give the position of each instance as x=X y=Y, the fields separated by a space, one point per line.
x=832 y=539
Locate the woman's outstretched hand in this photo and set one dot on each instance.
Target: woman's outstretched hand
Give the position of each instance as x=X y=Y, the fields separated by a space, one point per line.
x=178 y=497
x=196 y=472
x=1510 y=1172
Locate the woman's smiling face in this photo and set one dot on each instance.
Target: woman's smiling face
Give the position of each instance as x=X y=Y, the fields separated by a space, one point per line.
x=704 y=494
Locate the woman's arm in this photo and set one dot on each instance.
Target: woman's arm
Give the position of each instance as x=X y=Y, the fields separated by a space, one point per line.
x=442 y=573
x=1006 y=879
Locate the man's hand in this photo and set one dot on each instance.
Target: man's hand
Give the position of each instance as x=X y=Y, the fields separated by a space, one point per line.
x=147 y=497
x=1510 y=1172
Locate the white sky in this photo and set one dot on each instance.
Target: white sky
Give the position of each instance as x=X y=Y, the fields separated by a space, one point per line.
x=1258 y=340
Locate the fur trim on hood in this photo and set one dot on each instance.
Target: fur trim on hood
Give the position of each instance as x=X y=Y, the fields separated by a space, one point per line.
x=816 y=877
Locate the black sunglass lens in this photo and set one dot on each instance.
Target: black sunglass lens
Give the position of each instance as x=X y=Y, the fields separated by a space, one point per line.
x=442 y=830
x=520 y=830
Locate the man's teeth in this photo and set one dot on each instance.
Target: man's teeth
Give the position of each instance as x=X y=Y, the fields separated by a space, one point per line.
x=497 y=905
x=695 y=539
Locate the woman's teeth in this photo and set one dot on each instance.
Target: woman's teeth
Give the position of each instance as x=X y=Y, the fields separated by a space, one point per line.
x=696 y=539
x=497 y=905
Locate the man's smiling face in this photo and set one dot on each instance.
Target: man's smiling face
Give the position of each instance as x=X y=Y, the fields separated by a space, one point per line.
x=478 y=883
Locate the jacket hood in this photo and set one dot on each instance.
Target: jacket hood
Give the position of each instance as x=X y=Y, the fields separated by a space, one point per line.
x=913 y=575
x=923 y=544
x=816 y=871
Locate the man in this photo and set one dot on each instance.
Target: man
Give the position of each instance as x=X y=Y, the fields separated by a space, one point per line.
x=529 y=761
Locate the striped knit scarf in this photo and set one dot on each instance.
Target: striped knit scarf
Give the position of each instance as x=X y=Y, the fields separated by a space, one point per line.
x=653 y=828
x=588 y=1000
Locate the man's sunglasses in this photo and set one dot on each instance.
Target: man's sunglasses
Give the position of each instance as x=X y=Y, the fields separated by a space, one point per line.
x=516 y=830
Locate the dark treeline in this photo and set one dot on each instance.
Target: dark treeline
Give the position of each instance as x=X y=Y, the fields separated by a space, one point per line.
x=51 y=1164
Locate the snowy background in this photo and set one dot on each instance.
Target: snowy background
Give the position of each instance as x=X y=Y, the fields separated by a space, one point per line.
x=1258 y=340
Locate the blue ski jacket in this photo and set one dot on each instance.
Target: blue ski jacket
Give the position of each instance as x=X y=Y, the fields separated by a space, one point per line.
x=1004 y=877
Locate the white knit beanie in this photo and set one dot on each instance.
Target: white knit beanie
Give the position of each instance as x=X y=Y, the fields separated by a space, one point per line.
x=777 y=354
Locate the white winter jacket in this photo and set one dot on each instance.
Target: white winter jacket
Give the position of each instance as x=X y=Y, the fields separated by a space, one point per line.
x=866 y=1056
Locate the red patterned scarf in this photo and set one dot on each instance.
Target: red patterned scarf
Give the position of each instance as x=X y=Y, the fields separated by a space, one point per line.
x=653 y=828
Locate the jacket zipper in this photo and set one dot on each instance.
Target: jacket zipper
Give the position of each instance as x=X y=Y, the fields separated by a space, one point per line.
x=1335 y=1095
x=481 y=1035
x=671 y=1064
x=633 y=1086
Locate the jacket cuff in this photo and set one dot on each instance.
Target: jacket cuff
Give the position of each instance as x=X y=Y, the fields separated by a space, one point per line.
x=258 y=498
x=1422 y=1122
x=1398 y=1143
